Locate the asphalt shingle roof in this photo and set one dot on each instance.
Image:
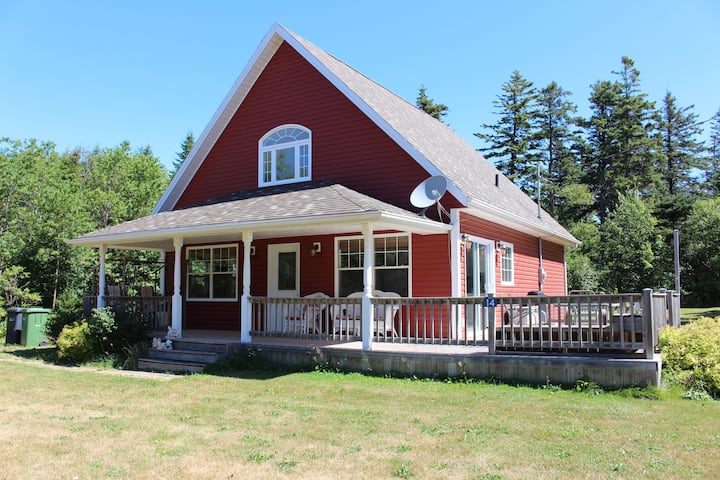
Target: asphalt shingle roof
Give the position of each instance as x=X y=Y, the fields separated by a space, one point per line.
x=307 y=201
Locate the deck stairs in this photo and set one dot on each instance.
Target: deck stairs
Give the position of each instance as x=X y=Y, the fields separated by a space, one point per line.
x=185 y=357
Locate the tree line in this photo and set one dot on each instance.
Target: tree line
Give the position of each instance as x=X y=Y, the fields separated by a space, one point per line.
x=621 y=180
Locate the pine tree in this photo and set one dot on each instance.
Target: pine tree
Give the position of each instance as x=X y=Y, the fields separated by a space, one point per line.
x=623 y=141
x=428 y=105
x=512 y=140
x=681 y=150
x=556 y=141
x=712 y=172
x=185 y=148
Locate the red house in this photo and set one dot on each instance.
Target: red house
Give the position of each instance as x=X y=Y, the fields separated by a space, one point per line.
x=301 y=184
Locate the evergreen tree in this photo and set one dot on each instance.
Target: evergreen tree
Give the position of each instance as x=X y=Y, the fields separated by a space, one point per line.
x=512 y=141
x=428 y=105
x=623 y=144
x=681 y=150
x=185 y=148
x=681 y=155
x=712 y=172
x=557 y=142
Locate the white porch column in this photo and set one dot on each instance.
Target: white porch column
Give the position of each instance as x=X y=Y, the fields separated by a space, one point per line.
x=245 y=310
x=101 y=278
x=367 y=307
x=161 y=272
x=177 y=282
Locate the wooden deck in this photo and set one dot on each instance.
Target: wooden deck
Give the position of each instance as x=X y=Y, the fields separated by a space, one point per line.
x=442 y=361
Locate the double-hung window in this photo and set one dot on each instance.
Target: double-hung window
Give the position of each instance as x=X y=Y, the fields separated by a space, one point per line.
x=212 y=272
x=285 y=156
x=507 y=261
x=391 y=264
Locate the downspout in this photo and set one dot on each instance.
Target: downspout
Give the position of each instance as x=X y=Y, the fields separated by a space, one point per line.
x=541 y=271
x=455 y=242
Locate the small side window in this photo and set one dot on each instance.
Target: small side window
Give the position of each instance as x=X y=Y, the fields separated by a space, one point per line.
x=507 y=264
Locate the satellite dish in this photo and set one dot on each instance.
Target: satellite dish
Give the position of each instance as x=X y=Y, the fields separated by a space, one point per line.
x=429 y=193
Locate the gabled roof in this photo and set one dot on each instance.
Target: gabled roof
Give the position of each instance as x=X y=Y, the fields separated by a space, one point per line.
x=472 y=180
x=320 y=208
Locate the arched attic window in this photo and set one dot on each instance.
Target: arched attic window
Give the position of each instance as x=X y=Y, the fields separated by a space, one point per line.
x=285 y=156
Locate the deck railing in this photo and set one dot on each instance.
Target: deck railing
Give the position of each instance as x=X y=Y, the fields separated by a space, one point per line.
x=626 y=323
x=155 y=312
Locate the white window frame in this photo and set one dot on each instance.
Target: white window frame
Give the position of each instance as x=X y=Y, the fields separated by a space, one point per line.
x=489 y=262
x=272 y=150
x=211 y=273
x=375 y=268
x=505 y=247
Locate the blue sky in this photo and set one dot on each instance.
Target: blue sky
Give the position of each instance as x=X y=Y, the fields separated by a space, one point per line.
x=95 y=73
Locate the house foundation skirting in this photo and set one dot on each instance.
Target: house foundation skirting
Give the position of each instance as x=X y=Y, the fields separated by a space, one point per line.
x=610 y=373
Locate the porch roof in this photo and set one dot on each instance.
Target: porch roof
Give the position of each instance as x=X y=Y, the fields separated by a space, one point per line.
x=308 y=209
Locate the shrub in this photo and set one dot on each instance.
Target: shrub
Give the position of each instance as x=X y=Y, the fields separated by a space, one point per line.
x=103 y=329
x=75 y=343
x=114 y=328
x=691 y=355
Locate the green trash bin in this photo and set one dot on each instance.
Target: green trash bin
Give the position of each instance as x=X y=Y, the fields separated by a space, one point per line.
x=13 y=325
x=33 y=326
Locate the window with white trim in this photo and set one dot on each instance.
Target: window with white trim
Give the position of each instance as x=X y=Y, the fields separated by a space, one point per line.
x=507 y=263
x=285 y=156
x=391 y=264
x=212 y=272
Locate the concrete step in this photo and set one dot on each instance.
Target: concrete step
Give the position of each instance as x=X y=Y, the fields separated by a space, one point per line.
x=157 y=365
x=182 y=355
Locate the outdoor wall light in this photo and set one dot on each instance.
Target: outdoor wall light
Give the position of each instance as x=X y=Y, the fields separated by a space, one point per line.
x=252 y=250
x=316 y=248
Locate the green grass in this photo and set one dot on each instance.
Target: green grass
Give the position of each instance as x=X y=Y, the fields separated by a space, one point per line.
x=690 y=314
x=67 y=423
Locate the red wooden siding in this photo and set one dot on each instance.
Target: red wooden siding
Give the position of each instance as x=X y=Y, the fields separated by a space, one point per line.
x=431 y=266
x=316 y=272
x=347 y=147
x=526 y=258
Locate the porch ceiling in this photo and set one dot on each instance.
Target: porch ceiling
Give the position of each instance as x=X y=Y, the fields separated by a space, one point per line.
x=324 y=210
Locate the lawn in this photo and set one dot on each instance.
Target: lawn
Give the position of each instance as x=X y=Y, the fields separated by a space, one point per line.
x=690 y=314
x=71 y=423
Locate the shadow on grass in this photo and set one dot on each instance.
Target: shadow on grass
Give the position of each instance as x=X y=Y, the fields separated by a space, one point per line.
x=43 y=354
x=252 y=368
x=691 y=314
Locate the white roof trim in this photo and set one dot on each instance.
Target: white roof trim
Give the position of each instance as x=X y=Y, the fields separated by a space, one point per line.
x=420 y=223
x=496 y=215
x=220 y=120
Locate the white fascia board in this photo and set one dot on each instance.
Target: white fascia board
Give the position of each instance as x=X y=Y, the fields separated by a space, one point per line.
x=214 y=128
x=502 y=217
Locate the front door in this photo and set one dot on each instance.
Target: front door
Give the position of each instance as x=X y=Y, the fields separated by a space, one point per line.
x=283 y=279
